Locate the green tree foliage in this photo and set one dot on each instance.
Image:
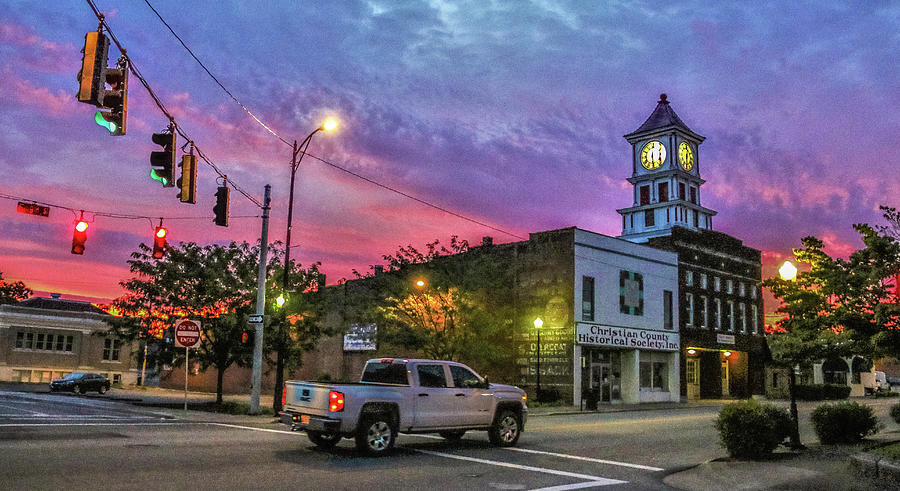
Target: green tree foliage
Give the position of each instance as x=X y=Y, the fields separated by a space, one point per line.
x=13 y=292
x=214 y=284
x=462 y=311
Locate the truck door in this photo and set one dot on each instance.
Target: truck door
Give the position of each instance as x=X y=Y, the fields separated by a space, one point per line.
x=474 y=403
x=434 y=399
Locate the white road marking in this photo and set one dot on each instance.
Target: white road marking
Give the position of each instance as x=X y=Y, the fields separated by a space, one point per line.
x=577 y=485
x=73 y=416
x=21 y=409
x=99 y=424
x=598 y=481
x=257 y=429
x=586 y=459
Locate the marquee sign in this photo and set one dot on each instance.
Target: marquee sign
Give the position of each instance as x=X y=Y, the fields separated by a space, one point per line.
x=626 y=338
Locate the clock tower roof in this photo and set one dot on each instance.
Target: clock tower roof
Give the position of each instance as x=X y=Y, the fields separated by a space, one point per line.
x=663 y=117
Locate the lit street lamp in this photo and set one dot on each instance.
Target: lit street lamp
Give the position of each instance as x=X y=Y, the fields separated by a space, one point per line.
x=788 y=272
x=298 y=154
x=538 y=323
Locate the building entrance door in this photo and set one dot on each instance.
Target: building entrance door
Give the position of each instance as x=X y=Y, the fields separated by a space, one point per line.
x=605 y=376
x=693 y=378
x=725 y=390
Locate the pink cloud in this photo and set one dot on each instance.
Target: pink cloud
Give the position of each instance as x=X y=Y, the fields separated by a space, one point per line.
x=26 y=93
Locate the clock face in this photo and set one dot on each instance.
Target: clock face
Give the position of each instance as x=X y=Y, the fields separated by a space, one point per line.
x=653 y=155
x=685 y=156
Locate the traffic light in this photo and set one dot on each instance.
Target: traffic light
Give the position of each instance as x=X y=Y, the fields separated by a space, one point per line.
x=93 y=64
x=159 y=242
x=115 y=99
x=221 y=208
x=163 y=163
x=79 y=236
x=187 y=183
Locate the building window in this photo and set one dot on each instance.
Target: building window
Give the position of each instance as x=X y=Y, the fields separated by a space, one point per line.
x=681 y=194
x=704 y=312
x=60 y=342
x=717 y=315
x=631 y=293
x=742 y=311
x=587 y=298
x=648 y=218
x=703 y=281
x=69 y=340
x=730 y=286
x=667 y=310
x=742 y=289
x=753 y=292
x=111 y=349
x=117 y=378
x=645 y=195
x=654 y=371
x=689 y=302
x=663 y=189
x=717 y=284
x=689 y=278
x=754 y=312
x=693 y=195
x=39 y=344
x=730 y=314
x=20 y=340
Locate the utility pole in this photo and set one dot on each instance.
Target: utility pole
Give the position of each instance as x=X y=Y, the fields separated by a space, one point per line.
x=260 y=307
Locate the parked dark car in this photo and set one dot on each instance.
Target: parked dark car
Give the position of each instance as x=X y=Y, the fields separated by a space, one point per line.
x=80 y=383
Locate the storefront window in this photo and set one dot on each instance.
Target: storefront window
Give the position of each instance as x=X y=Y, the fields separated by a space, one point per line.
x=654 y=371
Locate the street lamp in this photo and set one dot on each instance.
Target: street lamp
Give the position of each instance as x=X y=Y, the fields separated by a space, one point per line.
x=788 y=272
x=538 y=323
x=420 y=283
x=297 y=156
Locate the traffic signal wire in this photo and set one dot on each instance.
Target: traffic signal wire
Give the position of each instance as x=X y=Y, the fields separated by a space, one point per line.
x=161 y=106
x=107 y=214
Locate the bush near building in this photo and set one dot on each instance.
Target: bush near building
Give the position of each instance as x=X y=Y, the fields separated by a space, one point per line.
x=821 y=392
x=752 y=430
x=844 y=422
x=895 y=413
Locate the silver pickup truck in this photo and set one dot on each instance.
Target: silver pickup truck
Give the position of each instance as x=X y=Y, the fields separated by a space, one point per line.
x=405 y=395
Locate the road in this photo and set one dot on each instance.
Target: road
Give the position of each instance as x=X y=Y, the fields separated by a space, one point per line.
x=60 y=441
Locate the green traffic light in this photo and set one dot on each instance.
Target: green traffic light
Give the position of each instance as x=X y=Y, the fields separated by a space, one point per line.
x=156 y=177
x=99 y=119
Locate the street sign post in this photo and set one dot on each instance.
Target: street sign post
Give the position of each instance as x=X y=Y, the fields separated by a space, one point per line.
x=187 y=334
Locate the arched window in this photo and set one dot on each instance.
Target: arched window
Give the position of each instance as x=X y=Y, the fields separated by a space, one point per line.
x=835 y=371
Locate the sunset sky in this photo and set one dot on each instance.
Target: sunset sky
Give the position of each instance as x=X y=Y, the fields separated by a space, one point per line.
x=508 y=112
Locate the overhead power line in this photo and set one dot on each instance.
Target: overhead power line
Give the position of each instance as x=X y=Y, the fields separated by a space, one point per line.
x=324 y=161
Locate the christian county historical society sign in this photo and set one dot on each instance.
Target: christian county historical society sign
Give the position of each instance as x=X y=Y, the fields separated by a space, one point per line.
x=625 y=338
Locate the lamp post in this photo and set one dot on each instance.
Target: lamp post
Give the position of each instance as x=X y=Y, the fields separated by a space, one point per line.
x=297 y=156
x=788 y=272
x=538 y=323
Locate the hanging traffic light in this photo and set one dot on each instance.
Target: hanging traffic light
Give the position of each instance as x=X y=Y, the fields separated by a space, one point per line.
x=163 y=163
x=221 y=208
x=159 y=242
x=79 y=236
x=187 y=183
x=115 y=99
x=93 y=64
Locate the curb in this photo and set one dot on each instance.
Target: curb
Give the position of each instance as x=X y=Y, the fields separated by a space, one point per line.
x=874 y=466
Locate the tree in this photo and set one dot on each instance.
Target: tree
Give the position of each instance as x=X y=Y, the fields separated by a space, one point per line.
x=839 y=306
x=13 y=292
x=461 y=310
x=213 y=284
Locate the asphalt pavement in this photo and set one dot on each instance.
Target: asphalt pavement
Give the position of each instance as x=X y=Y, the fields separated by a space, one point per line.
x=817 y=467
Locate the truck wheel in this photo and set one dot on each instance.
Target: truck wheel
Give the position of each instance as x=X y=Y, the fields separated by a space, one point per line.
x=375 y=434
x=453 y=436
x=324 y=440
x=506 y=429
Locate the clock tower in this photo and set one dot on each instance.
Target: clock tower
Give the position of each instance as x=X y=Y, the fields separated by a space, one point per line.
x=665 y=174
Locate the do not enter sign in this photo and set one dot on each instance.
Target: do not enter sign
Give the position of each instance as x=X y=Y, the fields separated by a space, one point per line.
x=187 y=333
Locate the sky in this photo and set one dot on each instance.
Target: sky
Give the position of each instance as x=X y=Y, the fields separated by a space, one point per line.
x=510 y=113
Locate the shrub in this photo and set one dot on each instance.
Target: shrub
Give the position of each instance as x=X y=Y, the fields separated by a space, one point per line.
x=895 y=413
x=752 y=430
x=844 y=422
x=820 y=392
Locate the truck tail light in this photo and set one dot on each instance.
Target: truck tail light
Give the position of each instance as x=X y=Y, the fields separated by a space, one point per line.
x=336 y=401
x=283 y=395
x=524 y=397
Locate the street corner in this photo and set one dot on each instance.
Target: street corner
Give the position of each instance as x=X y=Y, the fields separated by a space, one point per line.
x=727 y=475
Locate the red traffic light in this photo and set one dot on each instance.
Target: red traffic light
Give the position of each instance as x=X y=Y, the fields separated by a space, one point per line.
x=81 y=226
x=79 y=237
x=159 y=242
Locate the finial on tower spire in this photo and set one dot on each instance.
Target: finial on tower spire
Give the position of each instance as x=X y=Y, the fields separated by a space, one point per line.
x=662 y=98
